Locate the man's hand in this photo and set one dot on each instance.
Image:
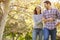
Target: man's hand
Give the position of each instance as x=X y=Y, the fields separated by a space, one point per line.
x=58 y=24
x=50 y=19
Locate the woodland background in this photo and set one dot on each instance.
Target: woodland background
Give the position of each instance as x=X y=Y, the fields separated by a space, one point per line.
x=16 y=18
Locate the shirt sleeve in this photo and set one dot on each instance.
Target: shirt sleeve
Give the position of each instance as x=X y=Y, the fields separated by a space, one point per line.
x=58 y=15
x=43 y=15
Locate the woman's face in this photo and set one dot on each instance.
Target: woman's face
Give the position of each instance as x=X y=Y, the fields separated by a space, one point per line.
x=38 y=9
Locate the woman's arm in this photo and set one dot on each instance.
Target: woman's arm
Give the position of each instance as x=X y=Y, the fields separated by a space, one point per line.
x=44 y=20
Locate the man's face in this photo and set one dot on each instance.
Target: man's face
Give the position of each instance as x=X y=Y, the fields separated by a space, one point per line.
x=47 y=5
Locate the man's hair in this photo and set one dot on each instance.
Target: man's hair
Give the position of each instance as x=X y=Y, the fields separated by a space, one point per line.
x=47 y=2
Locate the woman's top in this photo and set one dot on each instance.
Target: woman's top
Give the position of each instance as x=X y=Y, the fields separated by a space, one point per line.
x=37 y=21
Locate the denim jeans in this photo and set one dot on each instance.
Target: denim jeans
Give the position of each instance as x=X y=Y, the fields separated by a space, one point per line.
x=37 y=32
x=48 y=32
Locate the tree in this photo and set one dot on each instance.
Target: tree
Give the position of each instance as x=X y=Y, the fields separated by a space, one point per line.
x=4 y=6
x=20 y=18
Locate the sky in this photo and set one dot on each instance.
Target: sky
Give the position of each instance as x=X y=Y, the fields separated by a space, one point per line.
x=54 y=0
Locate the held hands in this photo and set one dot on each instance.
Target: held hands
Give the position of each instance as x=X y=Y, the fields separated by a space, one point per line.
x=47 y=20
x=50 y=19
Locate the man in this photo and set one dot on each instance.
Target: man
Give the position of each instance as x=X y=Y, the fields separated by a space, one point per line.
x=50 y=15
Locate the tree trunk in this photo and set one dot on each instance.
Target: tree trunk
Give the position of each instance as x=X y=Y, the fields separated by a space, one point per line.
x=3 y=21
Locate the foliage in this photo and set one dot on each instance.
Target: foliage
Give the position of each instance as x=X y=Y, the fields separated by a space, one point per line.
x=19 y=22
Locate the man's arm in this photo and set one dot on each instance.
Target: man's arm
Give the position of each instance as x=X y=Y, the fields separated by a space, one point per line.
x=46 y=19
x=58 y=17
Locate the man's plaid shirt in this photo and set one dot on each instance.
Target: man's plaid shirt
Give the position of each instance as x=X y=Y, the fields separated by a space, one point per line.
x=52 y=13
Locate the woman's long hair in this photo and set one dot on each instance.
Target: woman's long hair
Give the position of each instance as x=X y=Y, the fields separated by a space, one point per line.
x=35 y=12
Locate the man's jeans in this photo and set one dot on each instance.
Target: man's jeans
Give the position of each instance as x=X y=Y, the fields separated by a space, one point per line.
x=37 y=32
x=48 y=32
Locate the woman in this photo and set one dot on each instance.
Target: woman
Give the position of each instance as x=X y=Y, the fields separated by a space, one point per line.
x=37 y=18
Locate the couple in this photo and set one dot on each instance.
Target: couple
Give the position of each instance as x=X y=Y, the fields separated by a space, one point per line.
x=49 y=17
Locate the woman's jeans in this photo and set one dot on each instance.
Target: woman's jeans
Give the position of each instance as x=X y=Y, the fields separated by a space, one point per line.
x=48 y=32
x=37 y=32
